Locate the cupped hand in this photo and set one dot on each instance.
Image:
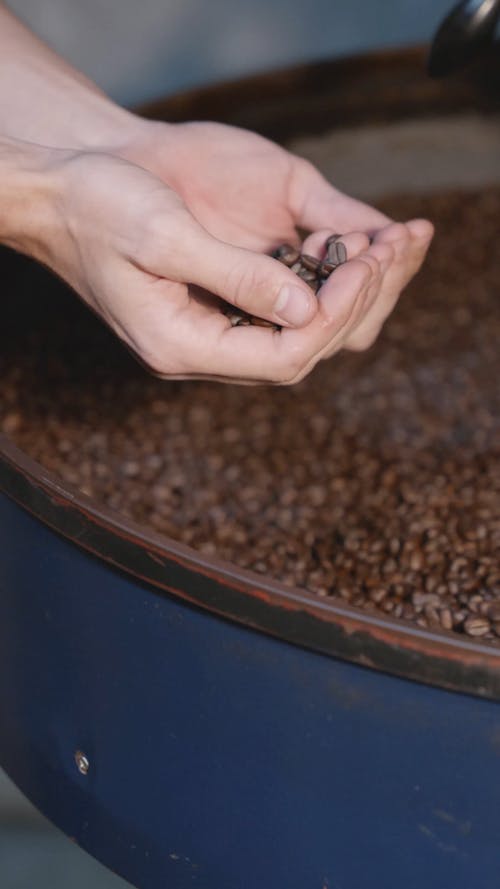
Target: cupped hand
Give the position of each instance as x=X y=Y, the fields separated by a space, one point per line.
x=155 y=239
x=251 y=192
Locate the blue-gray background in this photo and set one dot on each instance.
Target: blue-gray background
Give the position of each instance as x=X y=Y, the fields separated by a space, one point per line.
x=137 y=51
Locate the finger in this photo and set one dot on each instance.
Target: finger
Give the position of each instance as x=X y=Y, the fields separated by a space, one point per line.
x=421 y=229
x=384 y=254
x=260 y=355
x=422 y=234
x=337 y=334
x=398 y=238
x=409 y=244
x=354 y=242
x=316 y=204
x=258 y=284
x=379 y=259
x=343 y=300
x=199 y=343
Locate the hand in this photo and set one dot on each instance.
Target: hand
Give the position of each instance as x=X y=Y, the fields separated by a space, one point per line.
x=129 y=246
x=153 y=260
x=250 y=192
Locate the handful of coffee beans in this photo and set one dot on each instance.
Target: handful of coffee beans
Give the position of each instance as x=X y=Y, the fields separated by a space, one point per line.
x=313 y=271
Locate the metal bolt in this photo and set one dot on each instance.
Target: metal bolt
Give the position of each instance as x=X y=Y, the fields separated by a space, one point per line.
x=82 y=763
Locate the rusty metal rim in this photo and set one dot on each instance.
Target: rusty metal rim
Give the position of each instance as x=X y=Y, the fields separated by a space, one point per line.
x=292 y=615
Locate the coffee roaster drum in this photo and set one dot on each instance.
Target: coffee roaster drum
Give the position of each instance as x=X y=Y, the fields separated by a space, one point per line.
x=191 y=724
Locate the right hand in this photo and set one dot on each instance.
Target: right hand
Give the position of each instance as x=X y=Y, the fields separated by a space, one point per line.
x=128 y=244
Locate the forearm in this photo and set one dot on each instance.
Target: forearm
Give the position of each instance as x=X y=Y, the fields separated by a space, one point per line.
x=44 y=100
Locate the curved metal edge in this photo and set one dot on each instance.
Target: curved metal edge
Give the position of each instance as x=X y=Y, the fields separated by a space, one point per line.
x=292 y=615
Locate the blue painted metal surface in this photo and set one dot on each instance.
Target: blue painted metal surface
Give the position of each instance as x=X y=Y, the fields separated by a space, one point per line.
x=224 y=758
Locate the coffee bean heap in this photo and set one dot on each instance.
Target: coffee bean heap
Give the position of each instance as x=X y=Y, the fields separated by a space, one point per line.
x=376 y=481
x=313 y=271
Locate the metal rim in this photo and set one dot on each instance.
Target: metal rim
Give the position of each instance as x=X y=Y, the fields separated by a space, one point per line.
x=292 y=615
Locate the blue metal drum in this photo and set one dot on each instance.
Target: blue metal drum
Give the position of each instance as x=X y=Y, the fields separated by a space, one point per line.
x=191 y=724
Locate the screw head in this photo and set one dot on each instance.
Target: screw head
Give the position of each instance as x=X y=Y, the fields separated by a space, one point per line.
x=82 y=763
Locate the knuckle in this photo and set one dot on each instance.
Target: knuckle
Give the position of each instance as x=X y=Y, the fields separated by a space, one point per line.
x=292 y=366
x=373 y=263
x=347 y=314
x=249 y=290
x=236 y=284
x=159 y=243
x=362 y=341
x=401 y=240
x=149 y=244
x=384 y=253
x=400 y=231
x=341 y=317
x=306 y=166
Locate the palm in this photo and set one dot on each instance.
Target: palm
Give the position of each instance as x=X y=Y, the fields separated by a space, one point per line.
x=248 y=192
x=235 y=183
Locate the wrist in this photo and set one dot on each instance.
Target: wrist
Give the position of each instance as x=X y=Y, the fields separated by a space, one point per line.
x=74 y=118
x=92 y=123
x=142 y=140
x=27 y=197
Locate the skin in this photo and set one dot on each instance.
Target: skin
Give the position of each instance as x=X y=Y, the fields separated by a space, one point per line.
x=154 y=225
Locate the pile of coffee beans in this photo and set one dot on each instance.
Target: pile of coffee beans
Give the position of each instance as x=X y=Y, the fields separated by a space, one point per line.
x=313 y=271
x=376 y=481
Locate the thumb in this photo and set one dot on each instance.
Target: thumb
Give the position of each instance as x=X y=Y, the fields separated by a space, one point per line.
x=251 y=281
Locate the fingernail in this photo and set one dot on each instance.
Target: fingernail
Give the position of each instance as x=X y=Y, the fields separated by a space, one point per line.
x=293 y=306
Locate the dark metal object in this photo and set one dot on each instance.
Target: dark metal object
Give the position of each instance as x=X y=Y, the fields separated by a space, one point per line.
x=229 y=741
x=467 y=30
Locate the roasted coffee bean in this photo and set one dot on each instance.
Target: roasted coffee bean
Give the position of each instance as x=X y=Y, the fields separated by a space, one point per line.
x=307 y=276
x=310 y=262
x=446 y=618
x=375 y=482
x=331 y=240
x=341 y=252
x=331 y=253
x=477 y=626
x=262 y=322
x=336 y=252
x=283 y=250
x=326 y=268
x=287 y=255
x=235 y=318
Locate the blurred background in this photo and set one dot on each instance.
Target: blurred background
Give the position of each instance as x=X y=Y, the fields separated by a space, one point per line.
x=139 y=51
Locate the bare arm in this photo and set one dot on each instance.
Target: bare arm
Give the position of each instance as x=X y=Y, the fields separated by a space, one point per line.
x=44 y=99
